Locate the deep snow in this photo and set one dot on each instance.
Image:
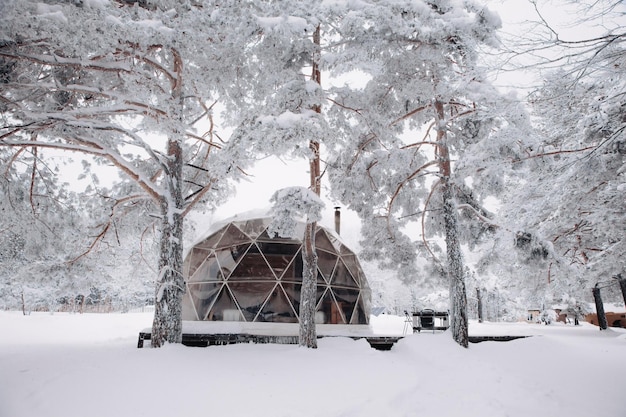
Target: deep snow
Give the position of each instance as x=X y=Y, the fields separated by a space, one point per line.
x=64 y=365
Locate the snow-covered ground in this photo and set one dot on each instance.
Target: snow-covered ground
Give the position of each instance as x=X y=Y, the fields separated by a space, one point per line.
x=66 y=365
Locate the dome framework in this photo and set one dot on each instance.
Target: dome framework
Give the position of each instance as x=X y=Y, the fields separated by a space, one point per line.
x=240 y=273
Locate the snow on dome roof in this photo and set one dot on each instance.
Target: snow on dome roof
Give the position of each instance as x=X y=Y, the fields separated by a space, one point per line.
x=260 y=213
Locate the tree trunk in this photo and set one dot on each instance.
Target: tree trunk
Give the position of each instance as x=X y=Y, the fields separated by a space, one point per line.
x=168 y=325
x=458 y=296
x=480 y=305
x=308 y=294
x=602 y=323
x=622 y=285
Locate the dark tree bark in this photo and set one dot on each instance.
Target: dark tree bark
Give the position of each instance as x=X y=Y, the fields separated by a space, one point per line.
x=602 y=323
x=167 y=324
x=23 y=304
x=458 y=296
x=622 y=284
x=308 y=294
x=479 y=297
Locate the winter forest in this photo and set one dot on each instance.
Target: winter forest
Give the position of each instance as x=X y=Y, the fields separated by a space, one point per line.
x=481 y=161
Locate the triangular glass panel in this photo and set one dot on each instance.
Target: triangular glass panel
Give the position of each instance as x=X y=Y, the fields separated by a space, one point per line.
x=228 y=258
x=346 y=301
x=233 y=237
x=265 y=237
x=208 y=271
x=326 y=264
x=211 y=241
x=359 y=316
x=320 y=278
x=279 y=255
x=354 y=268
x=366 y=301
x=251 y=296
x=293 y=290
x=293 y=271
x=327 y=309
x=252 y=266
x=277 y=309
x=321 y=291
x=322 y=241
x=342 y=277
x=188 y=309
x=298 y=233
x=202 y=296
x=195 y=258
x=344 y=250
x=225 y=308
x=334 y=239
x=255 y=227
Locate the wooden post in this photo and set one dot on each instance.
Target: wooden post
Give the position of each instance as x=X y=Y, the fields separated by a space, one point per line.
x=602 y=323
x=23 y=304
x=480 y=305
x=622 y=285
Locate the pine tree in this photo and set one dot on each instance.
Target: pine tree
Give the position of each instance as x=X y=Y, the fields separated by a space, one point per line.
x=569 y=208
x=130 y=90
x=423 y=81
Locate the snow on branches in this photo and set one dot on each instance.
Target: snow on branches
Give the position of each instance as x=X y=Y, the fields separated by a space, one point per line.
x=291 y=205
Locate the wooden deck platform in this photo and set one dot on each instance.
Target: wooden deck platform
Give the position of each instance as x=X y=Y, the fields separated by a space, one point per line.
x=216 y=339
x=478 y=339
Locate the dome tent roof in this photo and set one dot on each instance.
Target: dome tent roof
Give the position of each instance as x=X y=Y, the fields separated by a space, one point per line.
x=237 y=272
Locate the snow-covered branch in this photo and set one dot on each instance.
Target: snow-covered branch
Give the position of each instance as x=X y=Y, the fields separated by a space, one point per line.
x=291 y=205
x=59 y=61
x=91 y=148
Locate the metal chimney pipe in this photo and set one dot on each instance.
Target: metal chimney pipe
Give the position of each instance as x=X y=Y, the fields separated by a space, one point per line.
x=338 y=220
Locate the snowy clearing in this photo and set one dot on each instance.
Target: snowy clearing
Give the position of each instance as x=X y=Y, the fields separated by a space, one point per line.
x=87 y=365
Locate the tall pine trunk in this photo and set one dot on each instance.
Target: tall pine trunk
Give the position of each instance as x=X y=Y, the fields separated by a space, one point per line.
x=597 y=298
x=308 y=294
x=622 y=284
x=458 y=296
x=479 y=298
x=167 y=324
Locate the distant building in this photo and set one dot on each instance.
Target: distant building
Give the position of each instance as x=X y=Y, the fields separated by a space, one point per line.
x=534 y=315
x=241 y=273
x=613 y=319
x=566 y=314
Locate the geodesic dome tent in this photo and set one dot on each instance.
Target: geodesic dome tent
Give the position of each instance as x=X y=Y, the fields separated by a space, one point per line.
x=240 y=273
